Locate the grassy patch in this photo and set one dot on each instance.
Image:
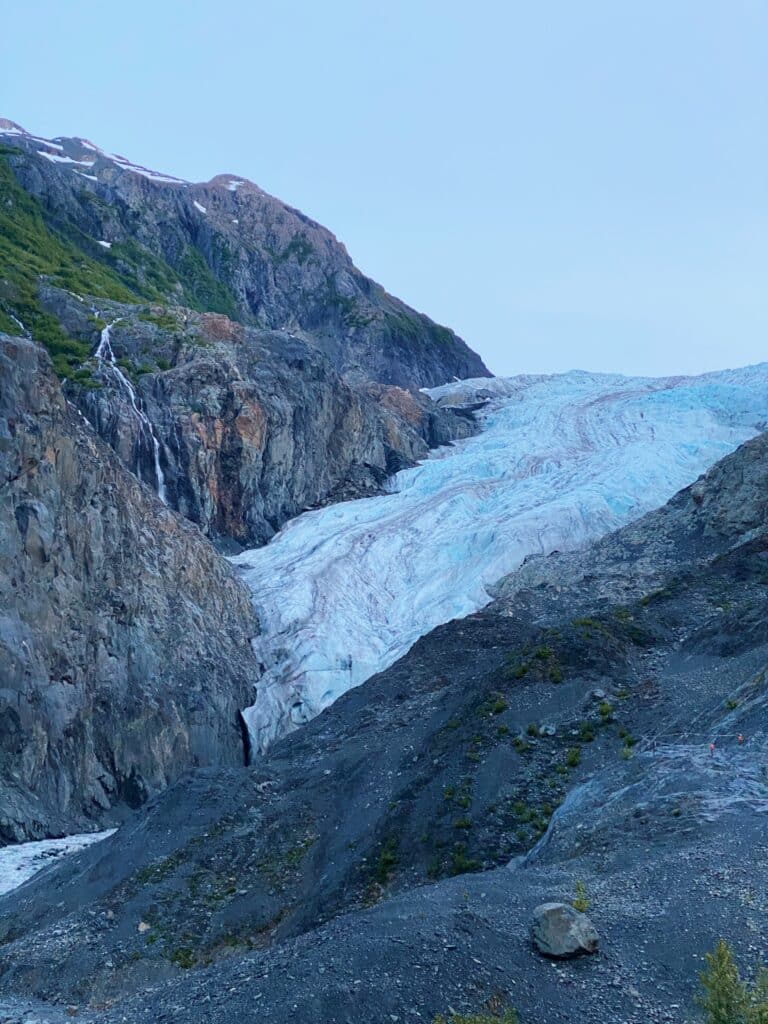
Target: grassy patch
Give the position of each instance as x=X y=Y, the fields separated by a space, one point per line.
x=387 y=861
x=29 y=251
x=573 y=757
x=504 y=1017
x=205 y=292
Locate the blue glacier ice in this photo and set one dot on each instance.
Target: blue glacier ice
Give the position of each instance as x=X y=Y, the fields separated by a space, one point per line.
x=344 y=591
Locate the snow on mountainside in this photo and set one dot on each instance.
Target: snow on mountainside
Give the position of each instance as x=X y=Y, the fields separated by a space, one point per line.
x=344 y=591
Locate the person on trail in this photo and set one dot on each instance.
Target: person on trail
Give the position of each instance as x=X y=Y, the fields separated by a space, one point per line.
x=711 y=749
x=741 y=739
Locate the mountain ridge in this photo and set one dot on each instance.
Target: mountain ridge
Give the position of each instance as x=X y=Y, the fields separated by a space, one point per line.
x=275 y=267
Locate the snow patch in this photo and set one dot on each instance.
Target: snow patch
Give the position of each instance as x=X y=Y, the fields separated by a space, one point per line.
x=90 y=177
x=47 y=142
x=126 y=165
x=56 y=159
x=234 y=185
x=104 y=245
x=20 y=863
x=199 y=206
x=344 y=591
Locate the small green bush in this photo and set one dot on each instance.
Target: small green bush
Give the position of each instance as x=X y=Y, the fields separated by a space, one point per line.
x=387 y=861
x=460 y=863
x=724 y=996
x=580 y=901
x=573 y=757
x=184 y=957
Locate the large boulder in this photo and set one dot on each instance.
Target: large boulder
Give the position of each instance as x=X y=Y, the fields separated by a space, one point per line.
x=560 y=931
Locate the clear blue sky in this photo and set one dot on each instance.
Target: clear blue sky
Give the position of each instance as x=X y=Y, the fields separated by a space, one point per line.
x=564 y=183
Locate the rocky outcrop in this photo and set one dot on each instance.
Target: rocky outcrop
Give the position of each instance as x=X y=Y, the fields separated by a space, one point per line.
x=724 y=509
x=247 y=427
x=226 y=246
x=124 y=637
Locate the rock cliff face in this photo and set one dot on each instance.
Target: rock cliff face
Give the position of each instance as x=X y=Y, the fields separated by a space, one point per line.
x=240 y=428
x=113 y=680
x=252 y=426
x=227 y=246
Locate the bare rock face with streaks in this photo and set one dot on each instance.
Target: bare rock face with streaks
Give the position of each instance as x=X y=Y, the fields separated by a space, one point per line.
x=241 y=429
x=113 y=681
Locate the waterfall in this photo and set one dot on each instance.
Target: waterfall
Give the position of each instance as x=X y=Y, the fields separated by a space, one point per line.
x=106 y=358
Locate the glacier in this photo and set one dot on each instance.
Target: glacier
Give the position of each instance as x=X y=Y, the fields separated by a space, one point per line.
x=343 y=591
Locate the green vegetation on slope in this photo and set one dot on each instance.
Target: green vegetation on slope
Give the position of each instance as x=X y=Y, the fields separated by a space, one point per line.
x=34 y=246
x=29 y=251
x=204 y=292
x=725 y=998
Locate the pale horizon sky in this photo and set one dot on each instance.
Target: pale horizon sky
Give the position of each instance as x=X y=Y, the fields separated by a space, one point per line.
x=565 y=185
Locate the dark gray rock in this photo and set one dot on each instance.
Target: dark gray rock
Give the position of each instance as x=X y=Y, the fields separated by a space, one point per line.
x=560 y=931
x=254 y=427
x=124 y=638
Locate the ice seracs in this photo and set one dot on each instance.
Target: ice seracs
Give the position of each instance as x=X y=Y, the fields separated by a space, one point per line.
x=344 y=591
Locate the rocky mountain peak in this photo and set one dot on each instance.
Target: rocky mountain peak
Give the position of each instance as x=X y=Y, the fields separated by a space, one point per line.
x=224 y=246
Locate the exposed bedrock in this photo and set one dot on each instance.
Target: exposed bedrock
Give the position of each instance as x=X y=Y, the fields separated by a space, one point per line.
x=124 y=637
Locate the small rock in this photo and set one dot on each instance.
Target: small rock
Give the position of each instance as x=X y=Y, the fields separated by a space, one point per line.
x=559 y=930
